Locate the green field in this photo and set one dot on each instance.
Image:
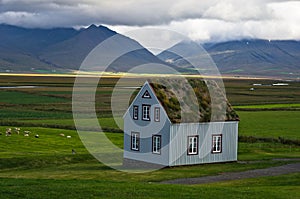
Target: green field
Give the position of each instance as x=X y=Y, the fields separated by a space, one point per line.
x=269 y=106
x=45 y=167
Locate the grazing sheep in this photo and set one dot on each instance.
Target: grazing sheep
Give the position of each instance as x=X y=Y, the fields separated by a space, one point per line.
x=8 y=132
x=26 y=133
x=62 y=135
x=36 y=136
x=68 y=136
x=17 y=130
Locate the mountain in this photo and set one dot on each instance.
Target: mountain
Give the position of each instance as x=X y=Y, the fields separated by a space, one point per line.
x=246 y=57
x=20 y=47
x=63 y=49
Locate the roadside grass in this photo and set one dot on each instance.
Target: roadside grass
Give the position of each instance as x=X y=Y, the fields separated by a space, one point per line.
x=285 y=186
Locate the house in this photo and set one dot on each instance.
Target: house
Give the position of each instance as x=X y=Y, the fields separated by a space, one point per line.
x=155 y=134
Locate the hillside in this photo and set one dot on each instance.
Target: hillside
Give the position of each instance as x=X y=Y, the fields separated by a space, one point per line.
x=246 y=57
x=62 y=49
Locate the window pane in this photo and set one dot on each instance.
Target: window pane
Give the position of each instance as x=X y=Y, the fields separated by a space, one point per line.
x=146 y=112
x=157 y=114
x=135 y=112
x=135 y=141
x=193 y=145
x=217 y=144
x=156 y=139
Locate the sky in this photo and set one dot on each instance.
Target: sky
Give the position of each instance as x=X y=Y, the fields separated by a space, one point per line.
x=200 y=20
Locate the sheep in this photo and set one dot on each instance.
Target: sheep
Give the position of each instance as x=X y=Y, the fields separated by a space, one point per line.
x=36 y=136
x=62 y=135
x=17 y=130
x=68 y=136
x=8 y=132
x=26 y=133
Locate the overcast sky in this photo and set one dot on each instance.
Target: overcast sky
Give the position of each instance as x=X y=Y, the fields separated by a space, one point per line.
x=201 y=20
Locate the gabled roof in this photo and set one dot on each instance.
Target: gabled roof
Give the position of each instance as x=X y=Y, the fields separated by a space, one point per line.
x=184 y=104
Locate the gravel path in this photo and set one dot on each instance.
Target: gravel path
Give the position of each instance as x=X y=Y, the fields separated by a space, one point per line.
x=272 y=171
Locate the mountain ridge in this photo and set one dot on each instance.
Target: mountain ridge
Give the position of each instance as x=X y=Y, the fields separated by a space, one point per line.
x=64 y=49
x=247 y=57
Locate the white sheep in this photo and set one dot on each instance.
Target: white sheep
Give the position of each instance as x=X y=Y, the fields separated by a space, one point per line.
x=8 y=132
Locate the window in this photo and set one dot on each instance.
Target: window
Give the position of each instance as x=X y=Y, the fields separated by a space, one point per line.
x=146 y=112
x=193 y=145
x=146 y=95
x=217 y=144
x=135 y=112
x=135 y=141
x=156 y=144
x=157 y=114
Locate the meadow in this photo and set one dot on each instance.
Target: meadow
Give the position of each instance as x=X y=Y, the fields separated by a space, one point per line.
x=45 y=167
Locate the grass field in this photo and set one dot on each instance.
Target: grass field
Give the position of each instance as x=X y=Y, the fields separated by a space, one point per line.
x=28 y=161
x=45 y=167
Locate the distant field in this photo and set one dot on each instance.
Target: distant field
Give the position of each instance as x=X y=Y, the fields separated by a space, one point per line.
x=269 y=106
x=239 y=93
x=49 y=104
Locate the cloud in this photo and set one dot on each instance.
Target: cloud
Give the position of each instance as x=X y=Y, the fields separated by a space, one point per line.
x=201 y=20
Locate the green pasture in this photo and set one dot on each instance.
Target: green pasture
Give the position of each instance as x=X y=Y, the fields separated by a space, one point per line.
x=270 y=124
x=15 y=97
x=269 y=106
x=285 y=186
x=45 y=167
x=50 y=156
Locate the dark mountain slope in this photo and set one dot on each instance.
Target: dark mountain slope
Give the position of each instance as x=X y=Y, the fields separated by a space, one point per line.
x=64 y=49
x=257 y=56
x=247 y=57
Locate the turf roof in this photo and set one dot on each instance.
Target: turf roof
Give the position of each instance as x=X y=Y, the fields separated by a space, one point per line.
x=186 y=102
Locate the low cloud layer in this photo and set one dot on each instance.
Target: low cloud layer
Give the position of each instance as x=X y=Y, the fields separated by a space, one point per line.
x=201 y=20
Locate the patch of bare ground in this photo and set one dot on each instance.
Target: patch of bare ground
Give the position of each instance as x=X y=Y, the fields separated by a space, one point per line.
x=272 y=171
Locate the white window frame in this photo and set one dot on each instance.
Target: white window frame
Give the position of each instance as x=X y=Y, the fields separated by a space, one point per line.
x=146 y=95
x=146 y=112
x=217 y=143
x=156 y=144
x=135 y=141
x=157 y=114
x=192 y=148
x=135 y=112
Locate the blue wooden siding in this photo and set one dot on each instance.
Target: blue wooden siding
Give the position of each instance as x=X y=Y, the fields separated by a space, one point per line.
x=205 y=131
x=147 y=129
